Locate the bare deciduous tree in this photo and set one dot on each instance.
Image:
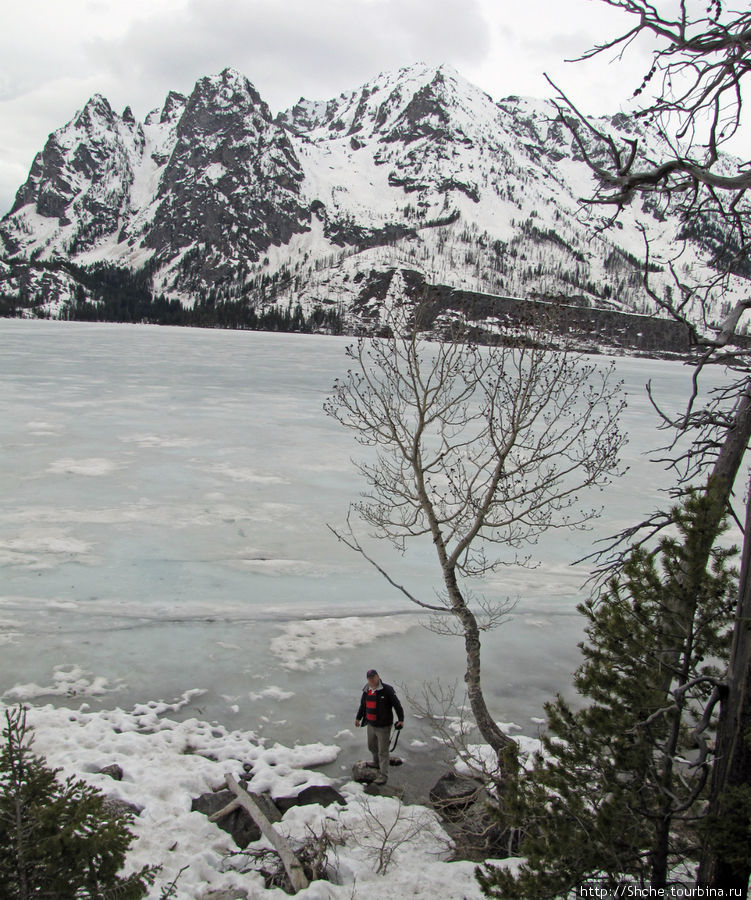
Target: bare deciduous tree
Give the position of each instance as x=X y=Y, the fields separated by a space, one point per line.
x=480 y=450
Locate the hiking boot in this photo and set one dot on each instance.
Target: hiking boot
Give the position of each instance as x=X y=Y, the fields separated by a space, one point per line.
x=380 y=780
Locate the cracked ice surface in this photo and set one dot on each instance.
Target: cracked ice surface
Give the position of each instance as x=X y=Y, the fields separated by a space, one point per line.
x=164 y=497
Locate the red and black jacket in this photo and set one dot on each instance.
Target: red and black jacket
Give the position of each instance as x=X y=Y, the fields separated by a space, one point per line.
x=377 y=707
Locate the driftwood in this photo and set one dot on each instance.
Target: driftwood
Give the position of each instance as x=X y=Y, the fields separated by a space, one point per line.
x=291 y=863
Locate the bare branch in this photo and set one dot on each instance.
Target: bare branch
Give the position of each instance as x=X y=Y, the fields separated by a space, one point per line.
x=355 y=545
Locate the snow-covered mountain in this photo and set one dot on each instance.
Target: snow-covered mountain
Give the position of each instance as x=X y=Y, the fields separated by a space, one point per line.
x=329 y=204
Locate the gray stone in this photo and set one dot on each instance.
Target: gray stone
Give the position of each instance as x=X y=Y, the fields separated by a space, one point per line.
x=480 y=830
x=323 y=794
x=385 y=790
x=117 y=808
x=114 y=771
x=364 y=773
x=467 y=810
x=268 y=806
x=238 y=824
x=453 y=793
x=225 y=894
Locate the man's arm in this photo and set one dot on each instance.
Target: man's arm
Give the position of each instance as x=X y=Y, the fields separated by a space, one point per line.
x=360 y=711
x=398 y=708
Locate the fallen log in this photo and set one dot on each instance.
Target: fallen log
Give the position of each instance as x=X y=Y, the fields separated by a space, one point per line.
x=292 y=865
x=225 y=810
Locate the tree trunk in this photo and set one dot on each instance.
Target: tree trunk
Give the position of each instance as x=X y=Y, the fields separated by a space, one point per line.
x=718 y=491
x=291 y=863
x=660 y=853
x=502 y=744
x=731 y=772
x=733 y=448
x=679 y=619
x=17 y=751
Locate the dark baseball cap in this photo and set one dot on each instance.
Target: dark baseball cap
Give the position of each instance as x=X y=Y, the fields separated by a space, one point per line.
x=370 y=673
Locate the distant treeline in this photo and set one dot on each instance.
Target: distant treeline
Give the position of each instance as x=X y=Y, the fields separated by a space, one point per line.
x=124 y=296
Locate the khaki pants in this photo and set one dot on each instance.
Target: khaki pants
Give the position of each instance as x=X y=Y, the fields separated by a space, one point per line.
x=378 y=744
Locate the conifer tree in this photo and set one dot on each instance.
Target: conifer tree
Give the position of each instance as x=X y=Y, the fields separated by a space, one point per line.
x=57 y=839
x=617 y=790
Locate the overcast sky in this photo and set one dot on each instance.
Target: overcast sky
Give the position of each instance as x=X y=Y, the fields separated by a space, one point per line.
x=54 y=54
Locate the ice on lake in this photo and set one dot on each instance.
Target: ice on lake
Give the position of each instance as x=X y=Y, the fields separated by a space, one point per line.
x=164 y=500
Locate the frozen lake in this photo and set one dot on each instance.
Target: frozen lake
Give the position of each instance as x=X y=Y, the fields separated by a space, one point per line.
x=164 y=495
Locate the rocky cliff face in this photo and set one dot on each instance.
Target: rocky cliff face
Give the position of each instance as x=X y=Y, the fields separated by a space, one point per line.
x=79 y=185
x=231 y=186
x=417 y=170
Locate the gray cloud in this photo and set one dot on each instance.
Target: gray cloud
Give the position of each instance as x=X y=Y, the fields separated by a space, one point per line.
x=54 y=56
x=298 y=47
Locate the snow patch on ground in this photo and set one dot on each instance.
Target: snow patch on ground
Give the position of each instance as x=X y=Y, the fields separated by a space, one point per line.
x=305 y=645
x=280 y=567
x=480 y=758
x=155 y=440
x=89 y=467
x=67 y=681
x=237 y=473
x=271 y=693
x=10 y=629
x=42 y=429
x=166 y=763
x=41 y=549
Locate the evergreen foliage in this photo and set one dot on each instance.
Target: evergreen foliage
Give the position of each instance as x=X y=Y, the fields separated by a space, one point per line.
x=123 y=296
x=109 y=293
x=57 y=839
x=617 y=791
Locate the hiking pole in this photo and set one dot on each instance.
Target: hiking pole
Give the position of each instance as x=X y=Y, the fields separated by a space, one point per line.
x=396 y=739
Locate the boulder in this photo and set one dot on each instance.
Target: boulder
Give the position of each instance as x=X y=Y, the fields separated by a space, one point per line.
x=452 y=793
x=316 y=793
x=238 y=823
x=481 y=831
x=364 y=773
x=385 y=790
x=268 y=806
x=225 y=894
x=114 y=771
x=467 y=810
x=115 y=807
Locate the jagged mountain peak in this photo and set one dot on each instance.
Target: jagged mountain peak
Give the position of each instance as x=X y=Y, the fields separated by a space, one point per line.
x=389 y=105
x=96 y=109
x=229 y=88
x=171 y=110
x=416 y=169
x=229 y=187
x=217 y=100
x=85 y=161
x=445 y=106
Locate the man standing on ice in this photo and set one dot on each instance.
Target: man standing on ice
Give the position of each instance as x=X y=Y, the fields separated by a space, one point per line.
x=377 y=706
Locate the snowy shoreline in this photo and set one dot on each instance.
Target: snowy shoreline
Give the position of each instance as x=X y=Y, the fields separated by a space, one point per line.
x=163 y=527
x=166 y=763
